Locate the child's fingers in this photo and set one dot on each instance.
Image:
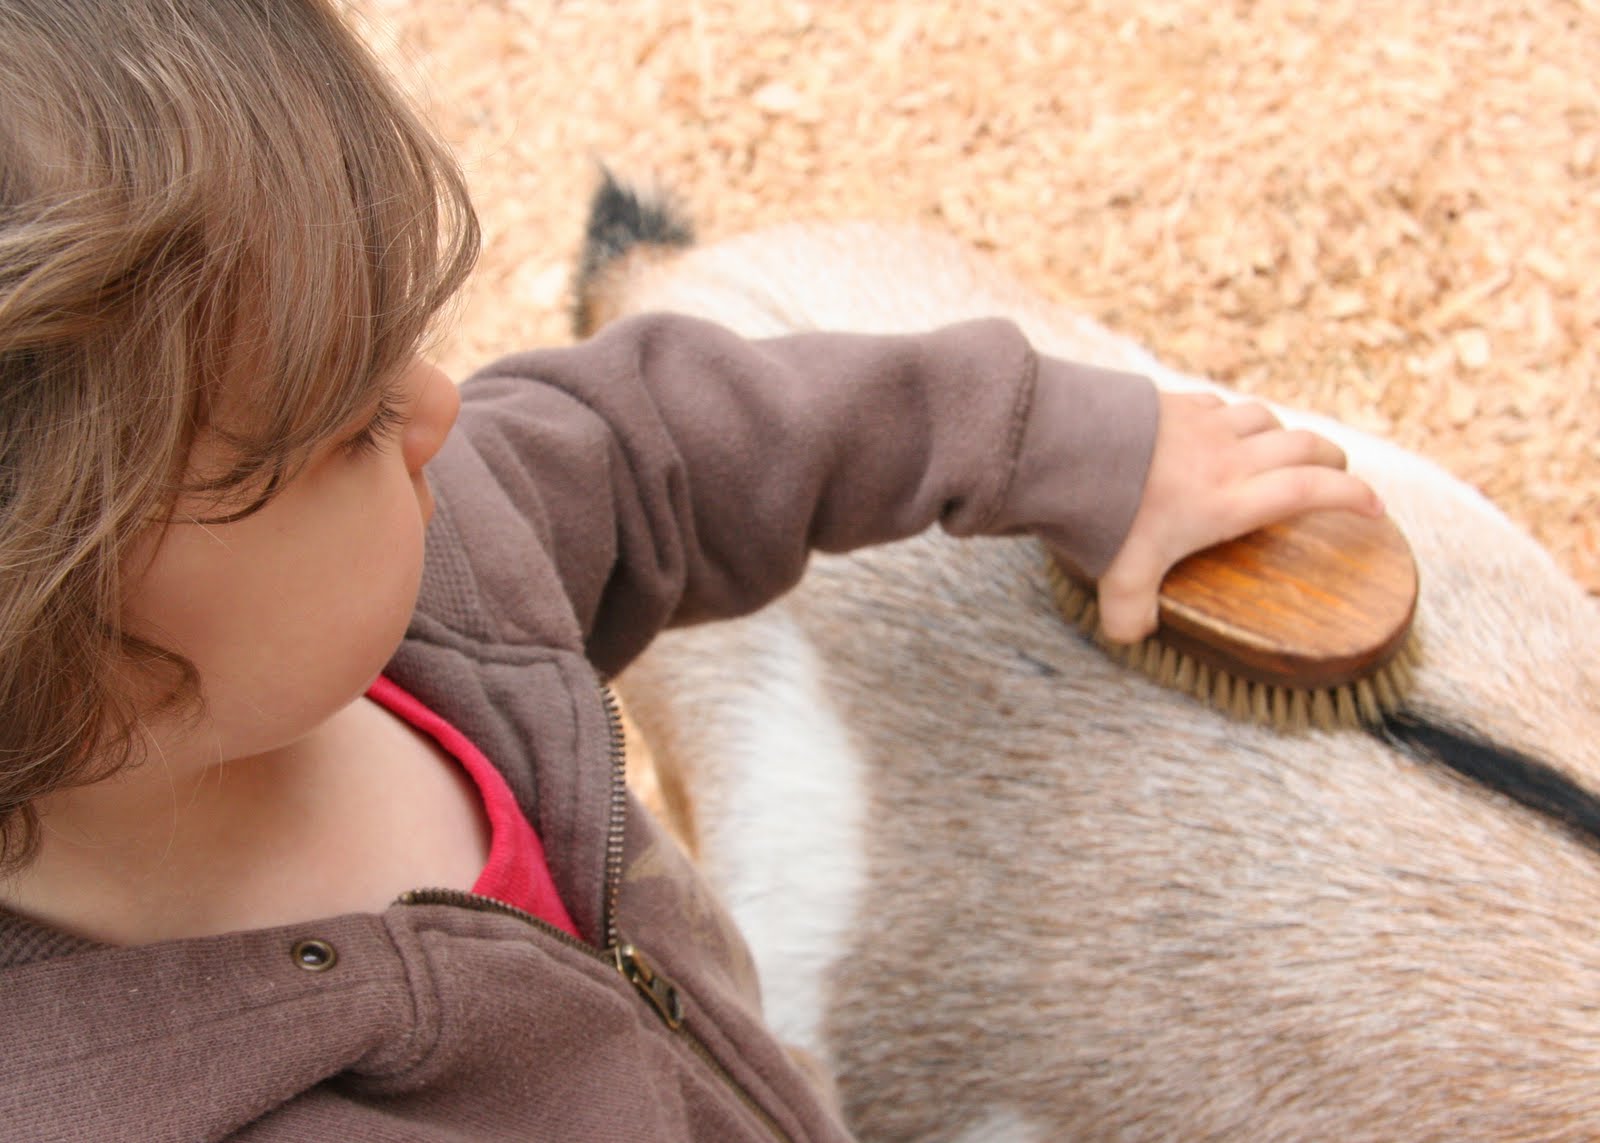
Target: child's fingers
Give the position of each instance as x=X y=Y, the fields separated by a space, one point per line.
x=1247 y=418
x=1279 y=493
x=1199 y=398
x=1288 y=448
x=1129 y=602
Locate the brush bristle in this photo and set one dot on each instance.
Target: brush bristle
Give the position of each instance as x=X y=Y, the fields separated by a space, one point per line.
x=1353 y=705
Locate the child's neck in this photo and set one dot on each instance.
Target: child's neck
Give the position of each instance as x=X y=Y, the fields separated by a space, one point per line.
x=341 y=820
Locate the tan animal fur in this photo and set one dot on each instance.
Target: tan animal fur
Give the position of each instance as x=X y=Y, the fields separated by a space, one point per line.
x=1008 y=891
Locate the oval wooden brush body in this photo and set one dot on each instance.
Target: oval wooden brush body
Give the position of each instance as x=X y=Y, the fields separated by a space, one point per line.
x=1303 y=623
x=1321 y=600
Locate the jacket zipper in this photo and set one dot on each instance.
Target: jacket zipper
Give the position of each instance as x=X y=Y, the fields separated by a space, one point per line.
x=617 y=817
x=658 y=990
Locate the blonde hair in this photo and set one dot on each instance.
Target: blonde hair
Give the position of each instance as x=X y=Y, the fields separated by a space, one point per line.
x=215 y=215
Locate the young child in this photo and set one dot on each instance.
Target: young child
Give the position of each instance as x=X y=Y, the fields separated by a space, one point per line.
x=311 y=831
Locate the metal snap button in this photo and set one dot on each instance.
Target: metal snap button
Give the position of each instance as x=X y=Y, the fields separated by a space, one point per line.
x=314 y=955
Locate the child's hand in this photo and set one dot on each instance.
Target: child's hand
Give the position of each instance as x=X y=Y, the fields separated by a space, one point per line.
x=1219 y=470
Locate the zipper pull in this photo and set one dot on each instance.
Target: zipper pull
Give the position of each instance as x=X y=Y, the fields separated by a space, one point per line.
x=656 y=988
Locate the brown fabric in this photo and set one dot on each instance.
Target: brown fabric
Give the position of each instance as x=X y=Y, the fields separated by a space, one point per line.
x=663 y=473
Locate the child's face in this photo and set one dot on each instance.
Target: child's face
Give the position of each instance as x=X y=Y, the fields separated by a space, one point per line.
x=289 y=613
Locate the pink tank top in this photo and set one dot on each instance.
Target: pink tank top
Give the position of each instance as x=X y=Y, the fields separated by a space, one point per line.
x=516 y=873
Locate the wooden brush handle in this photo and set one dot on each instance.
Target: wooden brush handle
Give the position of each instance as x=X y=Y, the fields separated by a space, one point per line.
x=1321 y=600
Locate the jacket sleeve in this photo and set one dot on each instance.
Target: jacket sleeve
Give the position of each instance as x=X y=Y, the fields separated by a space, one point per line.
x=669 y=472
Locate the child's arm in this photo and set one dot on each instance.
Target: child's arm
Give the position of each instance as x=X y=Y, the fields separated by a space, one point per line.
x=669 y=472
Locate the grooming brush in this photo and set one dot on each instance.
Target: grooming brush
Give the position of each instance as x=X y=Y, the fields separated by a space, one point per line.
x=1306 y=623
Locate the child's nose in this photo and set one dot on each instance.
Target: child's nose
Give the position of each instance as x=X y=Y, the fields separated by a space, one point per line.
x=435 y=410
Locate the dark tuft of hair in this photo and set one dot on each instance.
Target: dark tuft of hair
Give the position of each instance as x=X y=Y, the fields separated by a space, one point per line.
x=1510 y=773
x=621 y=219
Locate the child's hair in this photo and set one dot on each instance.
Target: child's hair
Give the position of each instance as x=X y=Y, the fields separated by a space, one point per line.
x=215 y=216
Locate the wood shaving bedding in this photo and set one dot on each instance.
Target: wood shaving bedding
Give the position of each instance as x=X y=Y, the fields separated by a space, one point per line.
x=1386 y=210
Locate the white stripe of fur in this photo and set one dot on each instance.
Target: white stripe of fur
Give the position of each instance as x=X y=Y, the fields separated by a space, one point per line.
x=787 y=850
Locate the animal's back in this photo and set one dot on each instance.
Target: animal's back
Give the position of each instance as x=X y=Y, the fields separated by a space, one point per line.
x=1011 y=891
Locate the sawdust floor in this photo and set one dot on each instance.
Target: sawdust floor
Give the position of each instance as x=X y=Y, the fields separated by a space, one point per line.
x=1387 y=210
